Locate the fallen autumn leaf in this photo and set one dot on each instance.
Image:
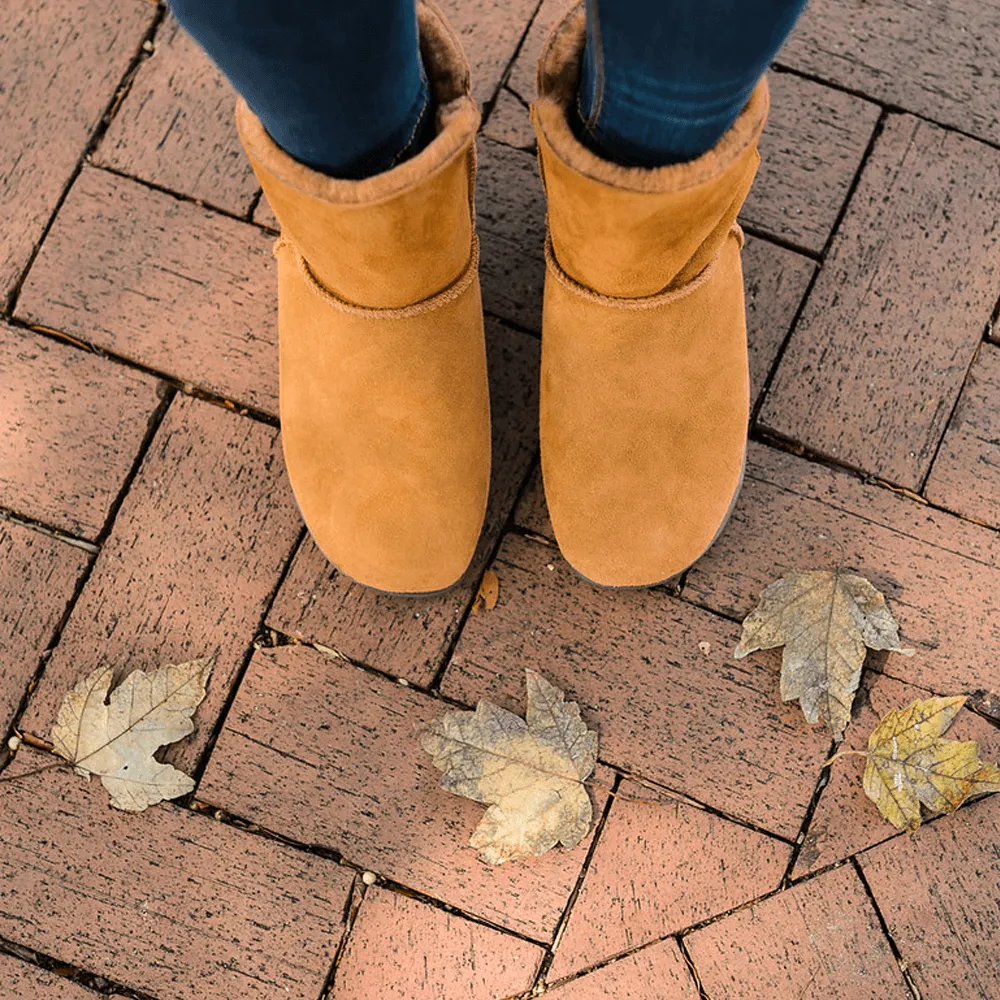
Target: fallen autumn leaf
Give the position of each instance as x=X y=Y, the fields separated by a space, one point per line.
x=824 y=619
x=529 y=771
x=117 y=740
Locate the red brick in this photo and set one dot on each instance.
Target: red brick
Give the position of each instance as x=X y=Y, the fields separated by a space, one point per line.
x=510 y=204
x=404 y=949
x=38 y=575
x=930 y=59
x=409 y=637
x=522 y=74
x=168 y=902
x=701 y=724
x=774 y=281
x=846 y=821
x=659 y=868
x=194 y=556
x=965 y=476
x=937 y=891
x=820 y=938
x=939 y=574
x=879 y=355
x=72 y=426
x=60 y=64
x=810 y=151
x=163 y=282
x=491 y=31
x=510 y=122
x=264 y=215
x=656 y=973
x=176 y=126
x=326 y=753
x=28 y=982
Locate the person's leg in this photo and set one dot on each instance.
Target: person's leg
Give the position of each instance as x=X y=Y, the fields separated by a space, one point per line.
x=661 y=82
x=339 y=86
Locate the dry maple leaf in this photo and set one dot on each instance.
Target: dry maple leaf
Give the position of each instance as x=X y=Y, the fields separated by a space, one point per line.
x=909 y=763
x=488 y=594
x=117 y=740
x=824 y=619
x=529 y=771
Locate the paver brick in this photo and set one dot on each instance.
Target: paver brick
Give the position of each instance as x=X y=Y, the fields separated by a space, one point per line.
x=491 y=31
x=937 y=60
x=965 y=476
x=937 y=891
x=521 y=78
x=655 y=973
x=879 y=355
x=821 y=938
x=27 y=982
x=811 y=148
x=194 y=556
x=162 y=282
x=510 y=122
x=38 y=576
x=938 y=573
x=402 y=949
x=327 y=753
x=409 y=637
x=168 y=902
x=657 y=869
x=510 y=206
x=845 y=820
x=72 y=426
x=176 y=129
x=60 y=64
x=702 y=724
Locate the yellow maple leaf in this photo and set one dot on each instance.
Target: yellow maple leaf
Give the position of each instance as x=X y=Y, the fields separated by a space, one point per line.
x=910 y=763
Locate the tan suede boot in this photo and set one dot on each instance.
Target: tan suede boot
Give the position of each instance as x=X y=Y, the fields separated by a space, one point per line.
x=384 y=400
x=645 y=384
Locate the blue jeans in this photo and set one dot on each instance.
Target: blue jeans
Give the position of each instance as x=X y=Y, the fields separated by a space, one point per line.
x=340 y=85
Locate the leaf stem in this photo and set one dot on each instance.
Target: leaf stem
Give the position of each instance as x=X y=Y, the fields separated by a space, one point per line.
x=845 y=753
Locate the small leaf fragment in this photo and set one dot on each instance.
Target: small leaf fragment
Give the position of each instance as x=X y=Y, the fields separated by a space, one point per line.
x=824 y=619
x=530 y=772
x=910 y=764
x=116 y=741
x=488 y=594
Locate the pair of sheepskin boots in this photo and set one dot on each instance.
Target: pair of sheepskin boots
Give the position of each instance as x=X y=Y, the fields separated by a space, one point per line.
x=385 y=412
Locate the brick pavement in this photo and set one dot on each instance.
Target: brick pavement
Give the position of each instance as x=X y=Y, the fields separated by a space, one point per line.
x=145 y=517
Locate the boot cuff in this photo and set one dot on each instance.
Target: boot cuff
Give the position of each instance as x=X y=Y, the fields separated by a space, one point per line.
x=457 y=121
x=558 y=77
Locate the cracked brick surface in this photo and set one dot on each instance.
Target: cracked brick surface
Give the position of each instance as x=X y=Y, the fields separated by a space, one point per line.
x=71 y=428
x=879 y=355
x=167 y=901
x=659 y=868
x=161 y=282
x=176 y=129
x=938 y=893
x=819 y=938
x=700 y=724
x=195 y=552
x=328 y=754
x=655 y=973
x=403 y=949
x=60 y=64
x=27 y=982
x=38 y=576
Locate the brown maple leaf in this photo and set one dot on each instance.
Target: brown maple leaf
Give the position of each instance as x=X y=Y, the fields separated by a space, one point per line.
x=824 y=619
x=530 y=771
